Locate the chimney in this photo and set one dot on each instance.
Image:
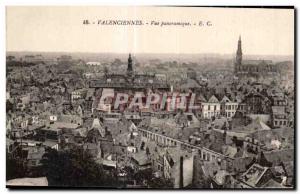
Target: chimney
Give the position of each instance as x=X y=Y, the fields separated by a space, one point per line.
x=224 y=136
x=181 y=173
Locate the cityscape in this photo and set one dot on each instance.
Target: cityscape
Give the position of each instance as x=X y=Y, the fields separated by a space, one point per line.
x=60 y=134
x=144 y=120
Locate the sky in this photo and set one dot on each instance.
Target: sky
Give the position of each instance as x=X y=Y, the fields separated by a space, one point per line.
x=61 y=29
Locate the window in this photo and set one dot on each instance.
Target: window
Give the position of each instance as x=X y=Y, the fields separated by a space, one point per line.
x=204 y=156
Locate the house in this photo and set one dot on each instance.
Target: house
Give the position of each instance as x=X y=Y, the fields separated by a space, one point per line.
x=222 y=179
x=9 y=145
x=93 y=149
x=20 y=133
x=107 y=96
x=93 y=63
x=51 y=144
x=34 y=155
x=109 y=164
x=211 y=108
x=267 y=140
x=257 y=103
x=49 y=133
x=178 y=167
x=288 y=168
x=256 y=176
x=140 y=161
x=228 y=107
x=279 y=116
x=34 y=120
x=78 y=94
x=96 y=130
x=209 y=174
x=79 y=111
x=71 y=119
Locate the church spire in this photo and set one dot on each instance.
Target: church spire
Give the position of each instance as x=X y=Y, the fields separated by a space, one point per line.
x=239 y=53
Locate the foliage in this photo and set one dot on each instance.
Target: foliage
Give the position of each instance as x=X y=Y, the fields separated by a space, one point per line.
x=160 y=183
x=15 y=168
x=75 y=168
x=147 y=177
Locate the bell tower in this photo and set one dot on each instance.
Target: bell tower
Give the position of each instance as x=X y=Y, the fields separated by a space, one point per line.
x=239 y=56
x=129 y=66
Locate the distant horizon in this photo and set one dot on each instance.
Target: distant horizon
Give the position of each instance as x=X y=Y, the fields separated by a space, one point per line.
x=150 y=53
x=88 y=52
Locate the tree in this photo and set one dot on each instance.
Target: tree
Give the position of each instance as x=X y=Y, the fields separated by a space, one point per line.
x=147 y=177
x=160 y=183
x=15 y=168
x=143 y=176
x=76 y=168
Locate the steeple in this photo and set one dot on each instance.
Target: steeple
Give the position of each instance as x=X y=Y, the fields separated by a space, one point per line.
x=239 y=54
x=129 y=67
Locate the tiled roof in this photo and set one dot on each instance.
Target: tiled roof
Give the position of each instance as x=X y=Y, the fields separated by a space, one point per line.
x=141 y=157
x=277 y=156
x=213 y=99
x=254 y=174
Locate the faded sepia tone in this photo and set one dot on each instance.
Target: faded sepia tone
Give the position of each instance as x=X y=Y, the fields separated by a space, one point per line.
x=150 y=97
x=63 y=25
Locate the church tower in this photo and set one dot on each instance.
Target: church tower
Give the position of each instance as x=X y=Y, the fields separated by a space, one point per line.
x=239 y=55
x=129 y=67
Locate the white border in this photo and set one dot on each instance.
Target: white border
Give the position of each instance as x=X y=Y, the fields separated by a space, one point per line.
x=4 y=3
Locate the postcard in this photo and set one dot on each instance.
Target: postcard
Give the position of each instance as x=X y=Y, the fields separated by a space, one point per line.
x=150 y=97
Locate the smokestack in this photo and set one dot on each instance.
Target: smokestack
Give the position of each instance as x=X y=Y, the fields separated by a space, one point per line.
x=181 y=173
